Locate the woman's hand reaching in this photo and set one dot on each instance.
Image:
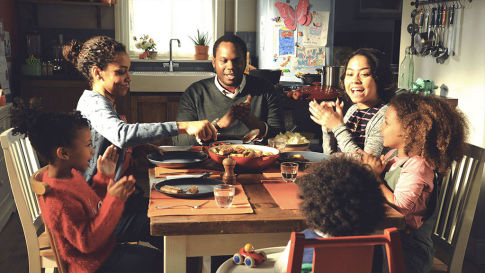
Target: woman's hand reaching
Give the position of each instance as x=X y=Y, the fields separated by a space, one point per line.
x=123 y=188
x=106 y=163
x=202 y=129
x=324 y=114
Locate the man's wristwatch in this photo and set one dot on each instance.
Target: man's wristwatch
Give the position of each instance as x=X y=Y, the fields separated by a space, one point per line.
x=214 y=122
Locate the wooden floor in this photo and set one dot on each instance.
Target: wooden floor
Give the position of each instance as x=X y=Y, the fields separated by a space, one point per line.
x=13 y=252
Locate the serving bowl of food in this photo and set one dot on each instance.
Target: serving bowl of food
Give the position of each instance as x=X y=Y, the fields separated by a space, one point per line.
x=294 y=141
x=247 y=156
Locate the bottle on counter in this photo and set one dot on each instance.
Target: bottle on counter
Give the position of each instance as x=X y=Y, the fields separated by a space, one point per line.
x=406 y=71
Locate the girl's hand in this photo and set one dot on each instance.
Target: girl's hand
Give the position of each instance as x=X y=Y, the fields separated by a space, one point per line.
x=324 y=115
x=123 y=188
x=377 y=164
x=202 y=129
x=106 y=163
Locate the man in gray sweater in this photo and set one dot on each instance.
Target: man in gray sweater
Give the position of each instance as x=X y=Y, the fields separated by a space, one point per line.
x=236 y=103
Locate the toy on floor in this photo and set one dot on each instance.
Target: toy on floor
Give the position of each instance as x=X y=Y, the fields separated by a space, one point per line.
x=248 y=256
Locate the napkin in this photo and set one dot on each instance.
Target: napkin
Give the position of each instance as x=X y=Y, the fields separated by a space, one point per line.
x=284 y=194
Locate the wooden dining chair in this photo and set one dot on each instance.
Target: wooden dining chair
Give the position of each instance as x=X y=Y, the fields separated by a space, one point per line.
x=21 y=161
x=40 y=188
x=346 y=254
x=457 y=201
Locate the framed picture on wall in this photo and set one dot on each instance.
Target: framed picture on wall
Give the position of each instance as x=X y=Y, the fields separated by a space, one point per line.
x=380 y=8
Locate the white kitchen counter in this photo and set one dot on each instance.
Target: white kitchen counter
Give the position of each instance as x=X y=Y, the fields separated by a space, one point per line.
x=161 y=81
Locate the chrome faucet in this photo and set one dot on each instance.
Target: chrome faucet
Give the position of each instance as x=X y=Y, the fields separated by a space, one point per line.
x=170 y=62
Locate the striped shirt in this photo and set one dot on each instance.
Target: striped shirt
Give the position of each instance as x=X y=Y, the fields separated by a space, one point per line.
x=358 y=122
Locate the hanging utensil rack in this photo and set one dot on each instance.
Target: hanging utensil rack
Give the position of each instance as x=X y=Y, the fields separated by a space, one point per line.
x=429 y=2
x=434 y=27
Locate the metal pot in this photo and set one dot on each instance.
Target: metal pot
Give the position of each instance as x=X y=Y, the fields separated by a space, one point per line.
x=309 y=79
x=332 y=75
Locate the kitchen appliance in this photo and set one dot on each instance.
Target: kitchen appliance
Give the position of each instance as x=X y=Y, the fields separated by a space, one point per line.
x=33 y=45
x=332 y=76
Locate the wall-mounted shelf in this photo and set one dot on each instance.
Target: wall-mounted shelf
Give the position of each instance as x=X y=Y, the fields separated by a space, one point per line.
x=430 y=2
x=97 y=5
x=58 y=2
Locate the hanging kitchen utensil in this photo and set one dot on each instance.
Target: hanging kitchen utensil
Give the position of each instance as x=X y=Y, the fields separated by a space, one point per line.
x=440 y=48
x=458 y=14
x=450 y=32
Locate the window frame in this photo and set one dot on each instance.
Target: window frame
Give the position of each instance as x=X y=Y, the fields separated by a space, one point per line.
x=122 y=9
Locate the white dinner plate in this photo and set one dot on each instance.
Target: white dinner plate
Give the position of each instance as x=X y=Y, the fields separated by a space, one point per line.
x=273 y=254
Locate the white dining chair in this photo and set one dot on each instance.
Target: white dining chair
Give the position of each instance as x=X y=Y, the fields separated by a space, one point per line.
x=21 y=161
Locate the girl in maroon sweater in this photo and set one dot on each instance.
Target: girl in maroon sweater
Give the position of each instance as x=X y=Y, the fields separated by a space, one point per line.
x=82 y=218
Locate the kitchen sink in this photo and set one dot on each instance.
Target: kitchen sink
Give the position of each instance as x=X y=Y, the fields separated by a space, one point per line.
x=164 y=81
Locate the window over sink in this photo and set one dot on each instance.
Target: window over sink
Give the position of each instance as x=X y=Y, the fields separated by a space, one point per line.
x=168 y=19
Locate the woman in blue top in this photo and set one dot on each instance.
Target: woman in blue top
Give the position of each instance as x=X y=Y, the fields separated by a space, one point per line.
x=105 y=64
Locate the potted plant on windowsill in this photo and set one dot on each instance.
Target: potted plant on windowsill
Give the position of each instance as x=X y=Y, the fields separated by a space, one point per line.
x=201 y=42
x=148 y=46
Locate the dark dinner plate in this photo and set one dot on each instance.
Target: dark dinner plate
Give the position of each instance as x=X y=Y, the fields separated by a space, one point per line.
x=176 y=159
x=205 y=185
x=307 y=155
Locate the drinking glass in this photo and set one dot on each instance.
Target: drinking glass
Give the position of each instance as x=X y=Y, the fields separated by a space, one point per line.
x=276 y=143
x=289 y=171
x=224 y=194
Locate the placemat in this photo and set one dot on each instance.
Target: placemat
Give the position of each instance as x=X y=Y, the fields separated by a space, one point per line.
x=284 y=194
x=240 y=205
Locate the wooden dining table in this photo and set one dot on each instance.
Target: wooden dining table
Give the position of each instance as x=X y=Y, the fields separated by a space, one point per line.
x=221 y=234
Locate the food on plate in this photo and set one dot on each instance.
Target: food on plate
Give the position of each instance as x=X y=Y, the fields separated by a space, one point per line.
x=292 y=138
x=296 y=158
x=193 y=189
x=239 y=151
x=171 y=189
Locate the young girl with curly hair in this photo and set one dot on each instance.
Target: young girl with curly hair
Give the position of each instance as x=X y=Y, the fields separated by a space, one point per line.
x=81 y=217
x=426 y=134
x=340 y=197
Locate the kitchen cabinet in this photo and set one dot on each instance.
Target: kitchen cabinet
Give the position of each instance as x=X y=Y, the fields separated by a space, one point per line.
x=154 y=107
x=55 y=95
x=97 y=6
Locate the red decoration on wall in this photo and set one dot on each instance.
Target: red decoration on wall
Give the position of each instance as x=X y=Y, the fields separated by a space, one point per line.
x=302 y=14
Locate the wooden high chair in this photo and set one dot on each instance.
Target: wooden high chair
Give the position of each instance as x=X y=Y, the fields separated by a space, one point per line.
x=40 y=188
x=350 y=254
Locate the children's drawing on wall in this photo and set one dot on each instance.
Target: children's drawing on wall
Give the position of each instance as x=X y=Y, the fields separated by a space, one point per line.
x=309 y=58
x=315 y=34
x=286 y=42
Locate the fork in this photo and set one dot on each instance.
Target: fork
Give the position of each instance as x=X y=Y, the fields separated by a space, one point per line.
x=194 y=207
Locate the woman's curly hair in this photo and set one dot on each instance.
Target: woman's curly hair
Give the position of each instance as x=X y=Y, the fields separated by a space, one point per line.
x=46 y=130
x=432 y=128
x=341 y=197
x=380 y=70
x=98 y=51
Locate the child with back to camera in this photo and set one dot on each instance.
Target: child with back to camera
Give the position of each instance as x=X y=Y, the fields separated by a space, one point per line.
x=425 y=134
x=81 y=217
x=340 y=197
